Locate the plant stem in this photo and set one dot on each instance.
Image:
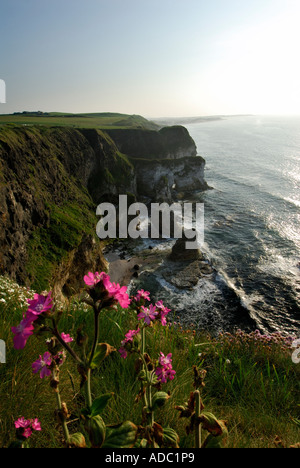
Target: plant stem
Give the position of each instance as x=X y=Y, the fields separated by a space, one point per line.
x=88 y=367
x=96 y=336
x=148 y=392
x=88 y=389
x=66 y=346
x=143 y=340
x=198 y=414
x=62 y=416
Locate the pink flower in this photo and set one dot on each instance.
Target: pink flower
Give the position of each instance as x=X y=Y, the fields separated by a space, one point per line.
x=42 y=365
x=163 y=312
x=22 y=423
x=117 y=292
x=91 y=279
x=26 y=426
x=67 y=338
x=39 y=305
x=131 y=334
x=163 y=373
x=27 y=432
x=128 y=339
x=142 y=295
x=148 y=314
x=22 y=332
x=165 y=361
x=36 y=425
x=107 y=291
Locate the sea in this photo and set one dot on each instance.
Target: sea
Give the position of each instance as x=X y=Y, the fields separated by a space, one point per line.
x=252 y=228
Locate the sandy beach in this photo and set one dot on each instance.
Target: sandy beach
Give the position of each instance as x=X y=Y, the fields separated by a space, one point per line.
x=122 y=271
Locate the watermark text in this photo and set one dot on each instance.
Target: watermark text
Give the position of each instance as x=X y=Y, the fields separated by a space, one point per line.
x=296 y=353
x=162 y=222
x=2 y=352
x=2 y=92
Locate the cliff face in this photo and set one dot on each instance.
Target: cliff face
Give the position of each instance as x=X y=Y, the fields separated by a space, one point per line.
x=52 y=179
x=169 y=179
x=167 y=143
x=46 y=213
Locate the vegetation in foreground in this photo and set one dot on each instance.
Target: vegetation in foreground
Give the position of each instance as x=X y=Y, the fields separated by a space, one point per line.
x=251 y=381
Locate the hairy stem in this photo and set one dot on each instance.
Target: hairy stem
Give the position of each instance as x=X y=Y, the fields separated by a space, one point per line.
x=62 y=416
x=198 y=414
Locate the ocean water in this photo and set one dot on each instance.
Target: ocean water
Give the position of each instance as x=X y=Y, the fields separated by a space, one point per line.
x=252 y=227
x=252 y=216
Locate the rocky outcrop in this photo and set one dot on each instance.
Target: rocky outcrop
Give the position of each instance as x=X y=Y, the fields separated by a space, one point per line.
x=167 y=143
x=169 y=180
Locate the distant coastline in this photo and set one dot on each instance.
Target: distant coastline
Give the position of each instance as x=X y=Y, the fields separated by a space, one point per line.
x=192 y=120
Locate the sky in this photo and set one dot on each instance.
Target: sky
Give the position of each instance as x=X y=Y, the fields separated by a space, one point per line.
x=156 y=58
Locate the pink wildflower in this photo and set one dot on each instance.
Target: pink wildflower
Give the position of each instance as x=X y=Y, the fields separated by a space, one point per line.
x=130 y=335
x=142 y=295
x=42 y=365
x=117 y=292
x=165 y=361
x=128 y=339
x=91 y=279
x=107 y=291
x=163 y=312
x=22 y=423
x=148 y=314
x=164 y=373
x=39 y=305
x=36 y=425
x=26 y=426
x=67 y=338
x=22 y=332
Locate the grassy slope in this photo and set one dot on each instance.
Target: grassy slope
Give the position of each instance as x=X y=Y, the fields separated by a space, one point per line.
x=97 y=120
x=254 y=388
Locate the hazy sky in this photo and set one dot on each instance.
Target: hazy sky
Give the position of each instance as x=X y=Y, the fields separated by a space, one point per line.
x=152 y=57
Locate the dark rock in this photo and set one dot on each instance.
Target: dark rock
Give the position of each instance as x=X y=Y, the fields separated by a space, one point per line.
x=181 y=254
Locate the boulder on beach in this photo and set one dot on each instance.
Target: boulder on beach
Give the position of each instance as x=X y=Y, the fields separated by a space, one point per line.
x=182 y=254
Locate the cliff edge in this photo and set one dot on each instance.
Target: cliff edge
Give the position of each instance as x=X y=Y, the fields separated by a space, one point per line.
x=53 y=178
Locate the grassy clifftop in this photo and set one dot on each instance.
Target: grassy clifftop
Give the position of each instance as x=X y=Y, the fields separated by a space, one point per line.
x=93 y=120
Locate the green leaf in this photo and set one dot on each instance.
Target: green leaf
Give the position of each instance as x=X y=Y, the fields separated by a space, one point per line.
x=170 y=438
x=159 y=399
x=100 y=403
x=96 y=430
x=121 y=436
x=103 y=350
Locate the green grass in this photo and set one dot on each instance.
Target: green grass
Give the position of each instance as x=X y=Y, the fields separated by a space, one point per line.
x=253 y=386
x=97 y=120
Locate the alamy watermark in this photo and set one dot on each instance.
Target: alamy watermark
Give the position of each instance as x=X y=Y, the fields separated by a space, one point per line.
x=296 y=353
x=2 y=352
x=165 y=221
x=2 y=92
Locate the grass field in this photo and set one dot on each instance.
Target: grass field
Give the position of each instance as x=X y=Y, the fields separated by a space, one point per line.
x=252 y=384
x=98 y=120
